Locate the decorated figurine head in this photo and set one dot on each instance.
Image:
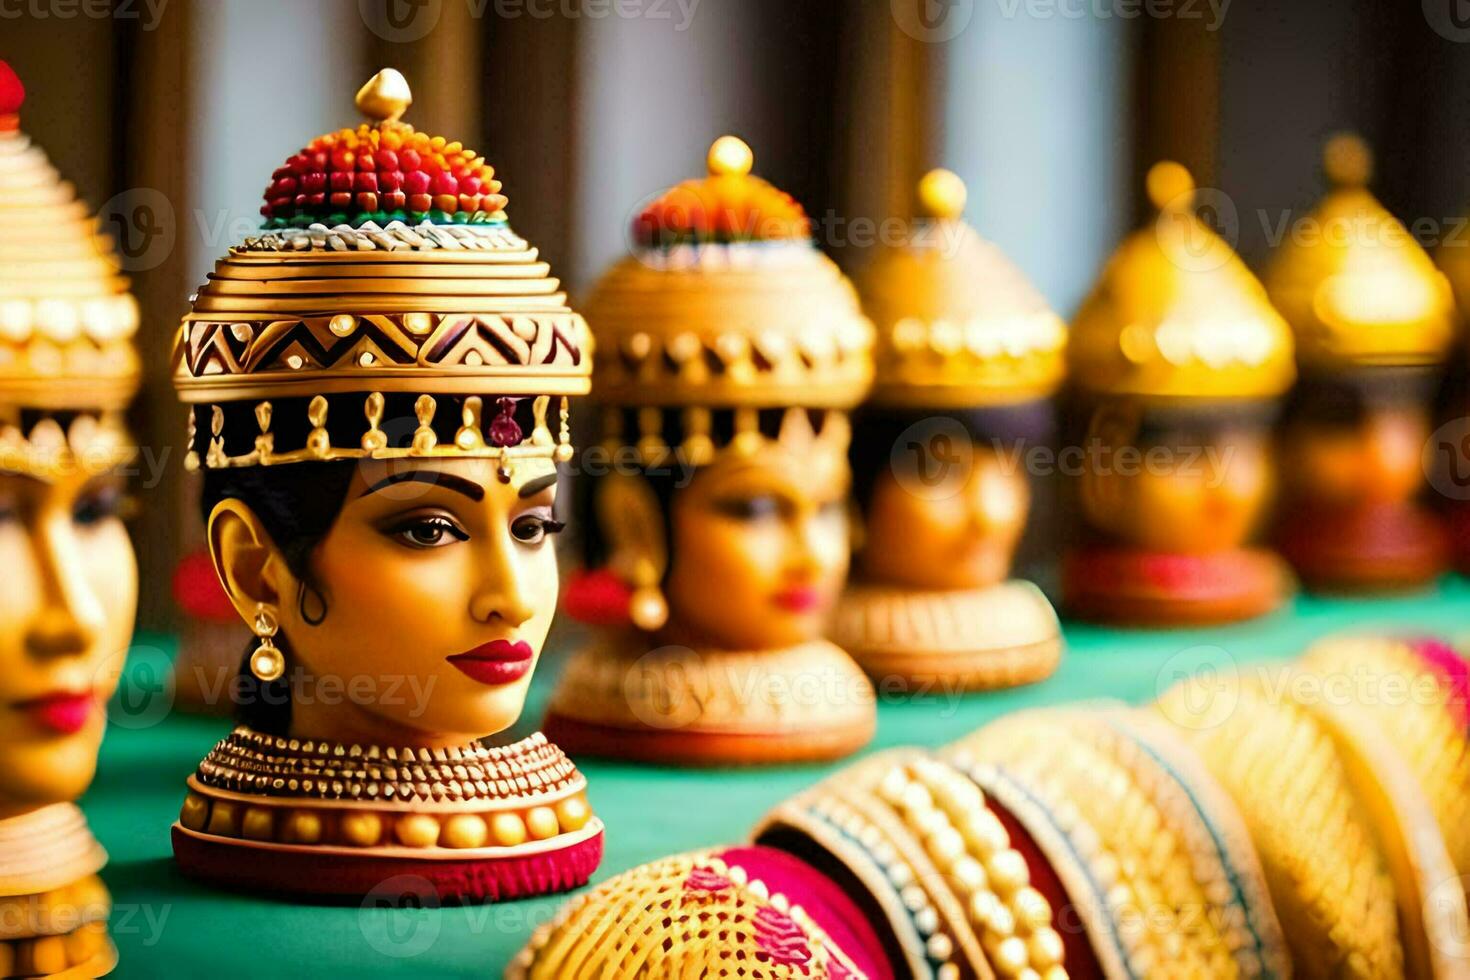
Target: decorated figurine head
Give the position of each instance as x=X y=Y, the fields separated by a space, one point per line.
x=1374 y=321
x=967 y=353
x=67 y=371
x=1181 y=356
x=729 y=352
x=378 y=390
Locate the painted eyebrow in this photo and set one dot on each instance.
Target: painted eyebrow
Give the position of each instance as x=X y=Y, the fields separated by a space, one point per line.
x=533 y=487
x=433 y=478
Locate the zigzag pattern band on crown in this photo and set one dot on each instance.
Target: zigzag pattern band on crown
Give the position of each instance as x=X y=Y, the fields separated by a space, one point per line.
x=302 y=316
x=343 y=351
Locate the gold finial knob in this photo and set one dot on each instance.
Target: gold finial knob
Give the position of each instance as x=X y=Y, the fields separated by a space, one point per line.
x=942 y=194
x=1170 y=185
x=730 y=156
x=385 y=97
x=1347 y=160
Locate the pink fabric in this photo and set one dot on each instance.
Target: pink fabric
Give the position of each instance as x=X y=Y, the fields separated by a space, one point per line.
x=1453 y=672
x=705 y=880
x=823 y=900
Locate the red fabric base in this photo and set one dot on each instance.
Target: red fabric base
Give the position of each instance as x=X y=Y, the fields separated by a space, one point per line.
x=1363 y=549
x=828 y=905
x=1141 y=588
x=329 y=876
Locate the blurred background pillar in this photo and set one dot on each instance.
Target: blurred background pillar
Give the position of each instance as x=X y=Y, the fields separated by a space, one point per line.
x=1036 y=117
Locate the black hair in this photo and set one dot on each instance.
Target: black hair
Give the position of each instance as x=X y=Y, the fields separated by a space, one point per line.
x=879 y=432
x=1345 y=398
x=299 y=502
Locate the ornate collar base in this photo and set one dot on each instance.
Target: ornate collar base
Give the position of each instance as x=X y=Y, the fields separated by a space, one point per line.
x=53 y=907
x=976 y=639
x=307 y=818
x=712 y=707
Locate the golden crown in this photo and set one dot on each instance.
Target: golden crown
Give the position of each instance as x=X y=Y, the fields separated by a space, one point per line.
x=1176 y=314
x=66 y=318
x=727 y=308
x=414 y=288
x=1360 y=290
x=726 y=303
x=958 y=323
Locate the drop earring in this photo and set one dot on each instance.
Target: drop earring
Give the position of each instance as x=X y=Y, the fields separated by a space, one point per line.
x=647 y=606
x=267 y=663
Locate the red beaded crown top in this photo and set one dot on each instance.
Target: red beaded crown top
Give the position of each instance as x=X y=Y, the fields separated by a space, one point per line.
x=382 y=171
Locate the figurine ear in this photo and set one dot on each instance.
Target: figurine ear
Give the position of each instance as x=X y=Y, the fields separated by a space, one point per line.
x=245 y=558
x=633 y=525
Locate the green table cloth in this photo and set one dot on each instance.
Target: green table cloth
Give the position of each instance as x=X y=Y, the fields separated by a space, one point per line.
x=165 y=925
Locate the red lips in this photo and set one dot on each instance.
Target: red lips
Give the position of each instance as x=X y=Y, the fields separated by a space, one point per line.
x=497 y=662
x=64 y=714
x=801 y=599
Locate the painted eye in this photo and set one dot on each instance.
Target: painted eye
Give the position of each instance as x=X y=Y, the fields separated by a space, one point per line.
x=428 y=532
x=534 y=528
x=96 y=507
x=761 y=507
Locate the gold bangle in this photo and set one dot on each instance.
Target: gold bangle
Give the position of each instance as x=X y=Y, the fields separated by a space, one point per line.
x=1077 y=768
x=1420 y=723
x=1327 y=875
x=965 y=840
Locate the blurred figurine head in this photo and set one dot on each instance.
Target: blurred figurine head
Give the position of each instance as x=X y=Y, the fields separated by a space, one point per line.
x=1180 y=484
x=729 y=351
x=968 y=352
x=67 y=371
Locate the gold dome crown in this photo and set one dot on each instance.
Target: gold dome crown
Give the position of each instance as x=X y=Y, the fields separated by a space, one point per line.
x=67 y=320
x=1359 y=291
x=727 y=303
x=958 y=323
x=1176 y=314
x=449 y=305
